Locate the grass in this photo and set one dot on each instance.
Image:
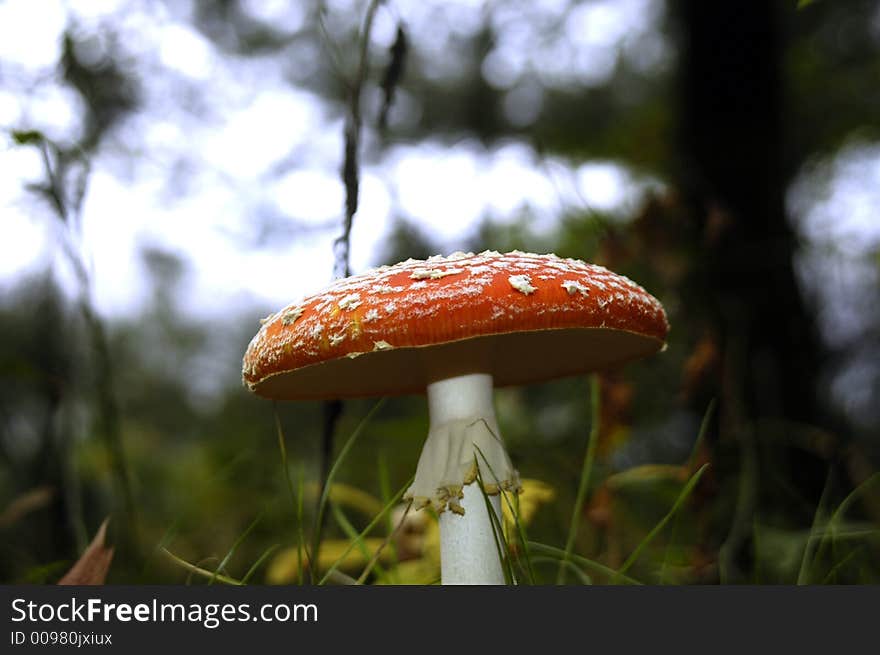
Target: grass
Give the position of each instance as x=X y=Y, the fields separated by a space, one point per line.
x=513 y=507
x=501 y=545
x=376 y=520
x=825 y=533
x=331 y=476
x=296 y=497
x=524 y=560
x=682 y=497
x=584 y=482
x=692 y=461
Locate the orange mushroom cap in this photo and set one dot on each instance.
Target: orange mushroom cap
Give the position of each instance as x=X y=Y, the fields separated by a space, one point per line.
x=518 y=316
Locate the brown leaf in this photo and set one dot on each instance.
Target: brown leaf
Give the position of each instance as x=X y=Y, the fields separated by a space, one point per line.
x=599 y=509
x=91 y=568
x=24 y=504
x=614 y=417
x=701 y=365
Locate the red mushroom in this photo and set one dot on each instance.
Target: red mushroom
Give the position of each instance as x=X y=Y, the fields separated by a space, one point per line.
x=454 y=327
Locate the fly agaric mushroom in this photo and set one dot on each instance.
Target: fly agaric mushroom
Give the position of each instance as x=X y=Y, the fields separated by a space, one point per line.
x=454 y=327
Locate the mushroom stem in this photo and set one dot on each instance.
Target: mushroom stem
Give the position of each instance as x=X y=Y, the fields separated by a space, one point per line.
x=468 y=552
x=464 y=431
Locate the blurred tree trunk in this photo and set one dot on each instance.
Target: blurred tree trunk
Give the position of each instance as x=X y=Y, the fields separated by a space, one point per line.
x=734 y=176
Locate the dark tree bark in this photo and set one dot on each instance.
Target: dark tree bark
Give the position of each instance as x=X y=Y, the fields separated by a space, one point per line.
x=734 y=175
x=733 y=144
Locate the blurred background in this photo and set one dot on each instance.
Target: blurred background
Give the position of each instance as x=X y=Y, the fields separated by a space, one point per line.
x=170 y=172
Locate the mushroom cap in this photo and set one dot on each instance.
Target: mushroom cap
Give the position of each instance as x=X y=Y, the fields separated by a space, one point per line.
x=518 y=316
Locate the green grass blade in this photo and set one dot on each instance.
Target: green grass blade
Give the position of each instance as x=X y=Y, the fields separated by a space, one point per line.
x=384 y=495
x=376 y=520
x=841 y=511
x=497 y=531
x=256 y=565
x=831 y=532
x=514 y=512
x=325 y=492
x=854 y=495
x=300 y=524
x=834 y=569
x=389 y=539
x=201 y=564
x=745 y=506
x=691 y=462
x=222 y=565
x=296 y=497
x=584 y=482
x=589 y=564
x=347 y=528
x=350 y=531
x=384 y=481
x=571 y=566
x=171 y=531
x=847 y=534
x=701 y=435
x=205 y=573
x=811 y=544
x=688 y=488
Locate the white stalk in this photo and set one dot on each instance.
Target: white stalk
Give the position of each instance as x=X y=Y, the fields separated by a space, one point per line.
x=468 y=553
x=463 y=430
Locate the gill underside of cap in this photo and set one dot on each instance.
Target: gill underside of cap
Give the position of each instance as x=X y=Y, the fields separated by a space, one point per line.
x=511 y=358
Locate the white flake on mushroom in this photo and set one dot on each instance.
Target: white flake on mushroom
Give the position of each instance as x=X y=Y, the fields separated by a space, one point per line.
x=290 y=316
x=323 y=302
x=522 y=283
x=385 y=288
x=351 y=301
x=458 y=254
x=433 y=273
x=498 y=312
x=573 y=287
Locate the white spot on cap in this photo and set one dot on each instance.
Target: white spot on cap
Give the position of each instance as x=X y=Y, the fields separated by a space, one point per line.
x=433 y=273
x=289 y=317
x=371 y=315
x=382 y=345
x=386 y=288
x=575 y=287
x=351 y=301
x=522 y=283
